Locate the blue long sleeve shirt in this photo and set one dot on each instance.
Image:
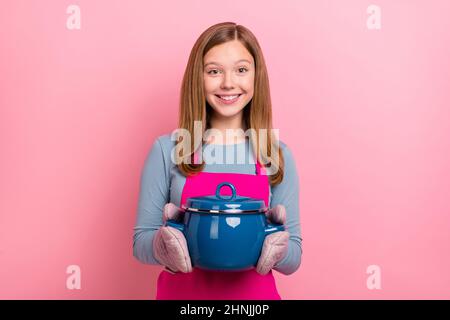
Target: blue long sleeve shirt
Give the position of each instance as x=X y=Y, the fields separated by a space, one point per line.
x=162 y=182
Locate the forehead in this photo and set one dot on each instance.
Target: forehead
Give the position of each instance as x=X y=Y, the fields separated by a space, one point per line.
x=228 y=53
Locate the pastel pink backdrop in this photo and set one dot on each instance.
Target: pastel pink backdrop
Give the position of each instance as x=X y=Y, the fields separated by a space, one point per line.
x=365 y=112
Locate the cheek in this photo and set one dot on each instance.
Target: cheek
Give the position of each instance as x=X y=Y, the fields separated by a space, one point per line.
x=248 y=84
x=210 y=85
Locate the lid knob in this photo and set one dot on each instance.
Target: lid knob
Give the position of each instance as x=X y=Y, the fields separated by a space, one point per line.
x=233 y=190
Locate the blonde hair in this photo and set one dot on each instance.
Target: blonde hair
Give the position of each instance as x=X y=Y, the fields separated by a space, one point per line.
x=256 y=115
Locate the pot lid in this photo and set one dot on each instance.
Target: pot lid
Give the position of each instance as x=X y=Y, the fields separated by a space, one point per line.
x=226 y=204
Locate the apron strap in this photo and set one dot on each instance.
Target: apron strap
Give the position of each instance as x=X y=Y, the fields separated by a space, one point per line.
x=260 y=169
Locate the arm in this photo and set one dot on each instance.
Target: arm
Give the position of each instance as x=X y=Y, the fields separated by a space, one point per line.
x=287 y=194
x=153 y=195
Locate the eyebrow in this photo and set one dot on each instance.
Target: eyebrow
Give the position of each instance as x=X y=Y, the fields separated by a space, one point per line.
x=212 y=62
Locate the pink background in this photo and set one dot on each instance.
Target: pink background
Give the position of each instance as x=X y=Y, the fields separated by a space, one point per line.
x=365 y=112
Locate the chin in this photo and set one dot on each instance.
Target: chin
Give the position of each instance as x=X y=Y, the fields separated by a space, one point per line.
x=225 y=110
x=228 y=112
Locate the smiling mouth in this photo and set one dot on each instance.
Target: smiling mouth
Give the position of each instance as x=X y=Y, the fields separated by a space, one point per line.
x=227 y=100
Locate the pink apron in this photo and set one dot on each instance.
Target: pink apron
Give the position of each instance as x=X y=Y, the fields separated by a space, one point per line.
x=213 y=285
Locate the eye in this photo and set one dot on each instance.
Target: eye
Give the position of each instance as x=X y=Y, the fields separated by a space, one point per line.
x=209 y=72
x=243 y=68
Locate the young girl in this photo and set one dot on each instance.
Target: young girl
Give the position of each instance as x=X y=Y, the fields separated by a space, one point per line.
x=225 y=86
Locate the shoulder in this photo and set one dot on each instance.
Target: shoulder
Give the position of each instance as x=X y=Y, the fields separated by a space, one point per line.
x=166 y=143
x=286 y=150
x=162 y=145
x=290 y=166
x=159 y=156
x=283 y=146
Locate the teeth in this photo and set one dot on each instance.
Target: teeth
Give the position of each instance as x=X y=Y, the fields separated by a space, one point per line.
x=228 y=97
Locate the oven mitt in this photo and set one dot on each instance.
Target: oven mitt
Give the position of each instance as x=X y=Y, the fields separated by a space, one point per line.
x=169 y=244
x=275 y=245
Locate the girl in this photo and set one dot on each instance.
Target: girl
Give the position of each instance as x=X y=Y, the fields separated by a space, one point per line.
x=225 y=86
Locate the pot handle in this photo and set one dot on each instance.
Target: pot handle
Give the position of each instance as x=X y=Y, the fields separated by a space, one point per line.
x=272 y=228
x=175 y=224
x=232 y=187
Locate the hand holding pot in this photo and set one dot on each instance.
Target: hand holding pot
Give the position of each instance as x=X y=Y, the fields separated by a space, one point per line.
x=226 y=233
x=169 y=244
x=275 y=244
x=277 y=214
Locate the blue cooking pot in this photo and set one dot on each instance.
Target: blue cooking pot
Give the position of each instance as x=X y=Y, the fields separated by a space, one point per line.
x=224 y=233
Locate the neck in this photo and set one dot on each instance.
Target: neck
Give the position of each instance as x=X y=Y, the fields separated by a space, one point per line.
x=222 y=123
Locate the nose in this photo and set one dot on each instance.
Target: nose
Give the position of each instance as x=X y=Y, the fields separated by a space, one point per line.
x=227 y=82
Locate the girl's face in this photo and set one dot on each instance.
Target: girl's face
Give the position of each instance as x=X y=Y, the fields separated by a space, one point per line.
x=228 y=73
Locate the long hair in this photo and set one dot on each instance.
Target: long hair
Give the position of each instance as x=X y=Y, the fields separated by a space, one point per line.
x=257 y=114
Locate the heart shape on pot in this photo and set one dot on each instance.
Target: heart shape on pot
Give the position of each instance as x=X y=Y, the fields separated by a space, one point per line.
x=233 y=221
